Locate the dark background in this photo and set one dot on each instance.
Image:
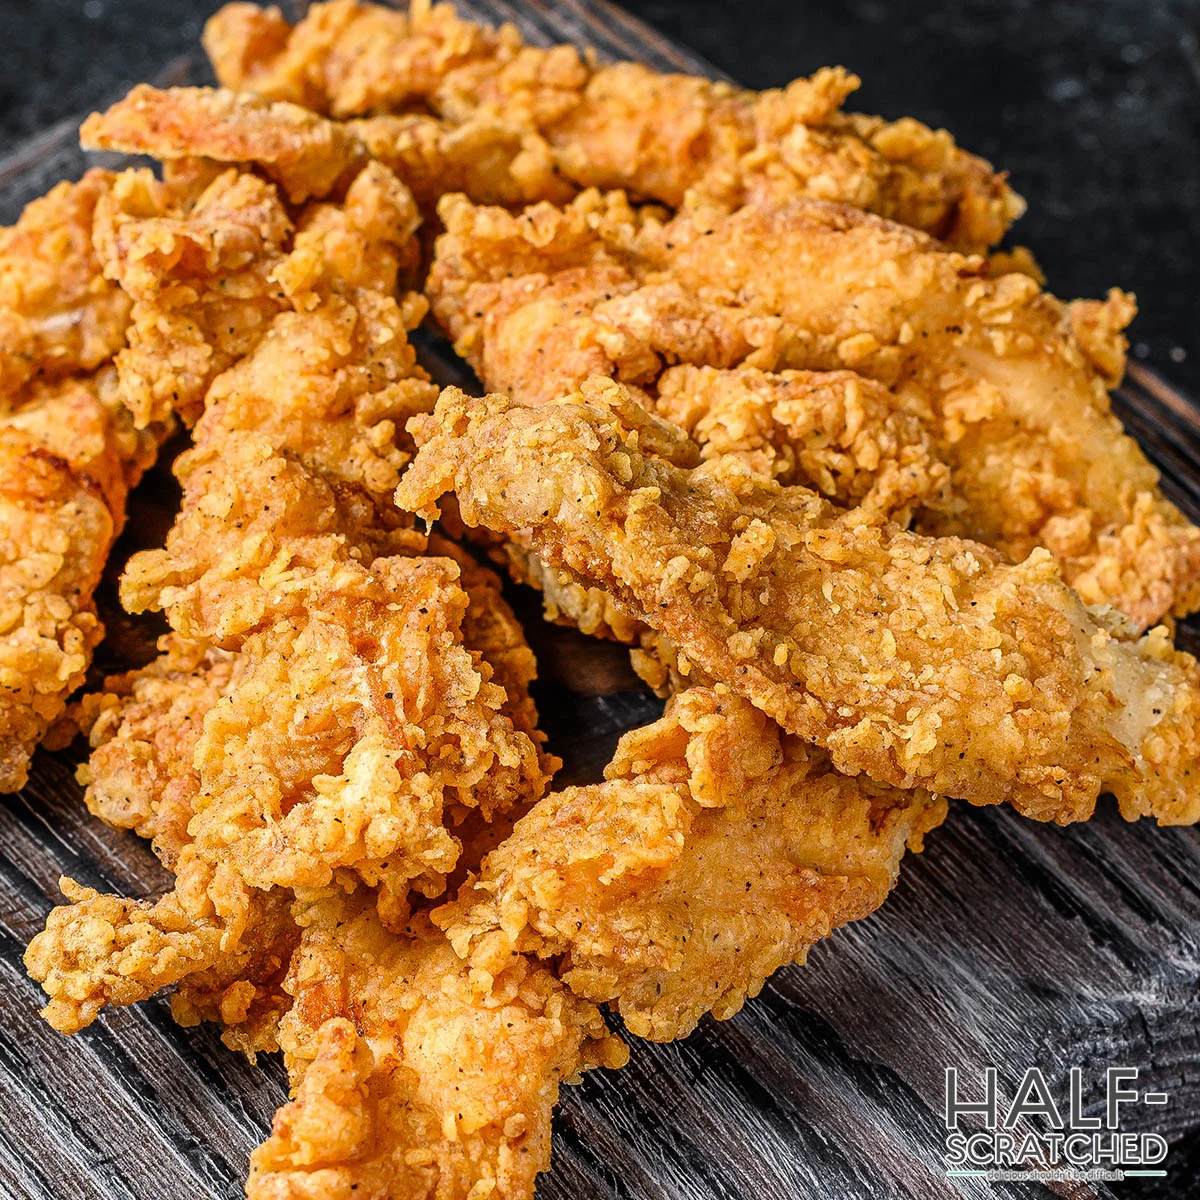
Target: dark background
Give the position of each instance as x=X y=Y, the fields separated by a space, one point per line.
x=1093 y=106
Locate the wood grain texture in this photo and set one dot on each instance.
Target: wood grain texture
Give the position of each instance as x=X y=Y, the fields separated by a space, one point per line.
x=1006 y=943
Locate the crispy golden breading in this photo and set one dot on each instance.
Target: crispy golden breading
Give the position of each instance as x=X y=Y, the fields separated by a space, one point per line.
x=540 y=301
x=918 y=661
x=537 y=303
x=491 y=629
x=303 y=153
x=99 y=949
x=832 y=431
x=58 y=314
x=311 y=156
x=814 y=466
x=345 y=58
x=984 y=355
x=143 y=728
x=565 y=601
x=355 y=723
x=414 y=1076
x=199 y=272
x=209 y=276
x=483 y=157
x=620 y=125
x=68 y=457
x=1008 y=383
x=382 y=722
x=718 y=850
x=243 y=989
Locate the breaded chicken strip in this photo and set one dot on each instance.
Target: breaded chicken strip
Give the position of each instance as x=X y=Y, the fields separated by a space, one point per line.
x=300 y=151
x=58 y=314
x=198 y=269
x=718 y=850
x=831 y=431
x=308 y=155
x=413 y=1074
x=143 y=728
x=143 y=774
x=620 y=125
x=69 y=454
x=1008 y=383
x=354 y=723
x=917 y=661
x=1020 y=403
x=357 y=724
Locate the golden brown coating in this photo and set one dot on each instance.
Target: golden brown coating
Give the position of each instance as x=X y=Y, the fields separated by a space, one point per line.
x=143 y=729
x=619 y=125
x=58 y=314
x=918 y=661
x=198 y=269
x=347 y=719
x=351 y=733
x=312 y=156
x=354 y=724
x=414 y=1077
x=100 y=949
x=491 y=161
x=540 y=301
x=491 y=629
x=243 y=988
x=718 y=850
x=832 y=431
x=1008 y=383
x=68 y=456
x=1020 y=407
x=344 y=58
x=303 y=153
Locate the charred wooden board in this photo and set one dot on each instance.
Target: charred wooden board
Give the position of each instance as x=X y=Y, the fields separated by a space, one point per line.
x=1006 y=944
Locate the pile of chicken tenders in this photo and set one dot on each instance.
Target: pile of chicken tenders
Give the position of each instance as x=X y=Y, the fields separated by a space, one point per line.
x=764 y=404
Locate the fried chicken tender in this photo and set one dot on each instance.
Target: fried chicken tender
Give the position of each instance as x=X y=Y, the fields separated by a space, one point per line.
x=1007 y=383
x=311 y=156
x=718 y=850
x=538 y=303
x=917 y=661
x=357 y=723
x=142 y=729
x=58 y=314
x=619 y=125
x=68 y=456
x=361 y=774
x=354 y=720
x=984 y=354
x=413 y=1076
x=199 y=272
x=832 y=431
x=304 y=154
